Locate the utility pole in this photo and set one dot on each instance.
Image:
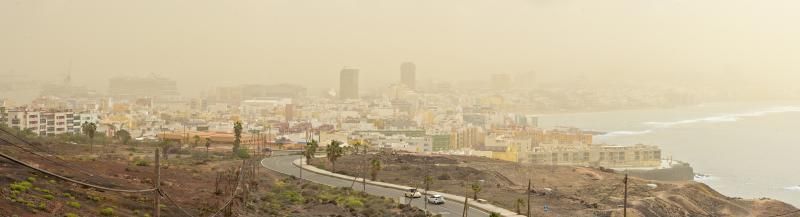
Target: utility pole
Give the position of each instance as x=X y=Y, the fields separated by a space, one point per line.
x=364 y=176
x=157 y=208
x=427 y=186
x=466 y=199
x=302 y=154
x=625 y=200
x=529 y=198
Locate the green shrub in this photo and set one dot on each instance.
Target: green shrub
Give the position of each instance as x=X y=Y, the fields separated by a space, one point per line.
x=494 y=214
x=32 y=179
x=292 y=197
x=108 y=211
x=94 y=198
x=42 y=190
x=48 y=197
x=69 y=214
x=243 y=153
x=353 y=202
x=21 y=186
x=141 y=163
x=74 y=204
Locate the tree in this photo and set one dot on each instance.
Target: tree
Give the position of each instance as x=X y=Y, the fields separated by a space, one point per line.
x=27 y=133
x=237 y=136
x=333 y=152
x=124 y=136
x=196 y=141
x=89 y=129
x=519 y=205
x=476 y=188
x=165 y=146
x=375 y=164
x=311 y=148
x=355 y=147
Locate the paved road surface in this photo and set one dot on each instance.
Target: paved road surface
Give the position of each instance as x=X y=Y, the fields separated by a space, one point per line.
x=282 y=163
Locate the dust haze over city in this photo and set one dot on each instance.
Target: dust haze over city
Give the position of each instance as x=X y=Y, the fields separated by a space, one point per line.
x=399 y=108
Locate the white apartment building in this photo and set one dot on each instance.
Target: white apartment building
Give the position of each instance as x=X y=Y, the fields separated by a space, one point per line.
x=47 y=123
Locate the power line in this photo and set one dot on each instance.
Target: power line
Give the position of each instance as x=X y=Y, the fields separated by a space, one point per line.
x=233 y=196
x=72 y=180
x=162 y=193
x=42 y=150
x=158 y=190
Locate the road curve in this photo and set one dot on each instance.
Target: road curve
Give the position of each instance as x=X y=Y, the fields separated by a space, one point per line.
x=282 y=163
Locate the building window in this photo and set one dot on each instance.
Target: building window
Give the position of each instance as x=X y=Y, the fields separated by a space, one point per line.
x=622 y=156
x=637 y=155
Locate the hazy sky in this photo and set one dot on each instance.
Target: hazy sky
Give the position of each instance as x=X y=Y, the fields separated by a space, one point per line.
x=211 y=42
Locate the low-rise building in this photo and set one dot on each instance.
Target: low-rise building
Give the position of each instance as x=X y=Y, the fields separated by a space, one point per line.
x=614 y=156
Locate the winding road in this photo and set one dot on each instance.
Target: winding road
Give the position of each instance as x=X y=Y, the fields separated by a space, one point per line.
x=282 y=162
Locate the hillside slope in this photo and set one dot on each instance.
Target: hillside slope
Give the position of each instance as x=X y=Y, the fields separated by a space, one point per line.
x=570 y=191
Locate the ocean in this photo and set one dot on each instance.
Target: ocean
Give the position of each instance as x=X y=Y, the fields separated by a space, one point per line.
x=748 y=150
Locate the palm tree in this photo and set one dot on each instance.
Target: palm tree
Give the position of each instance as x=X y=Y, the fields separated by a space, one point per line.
x=237 y=136
x=311 y=148
x=89 y=129
x=376 y=167
x=333 y=152
x=476 y=187
x=355 y=147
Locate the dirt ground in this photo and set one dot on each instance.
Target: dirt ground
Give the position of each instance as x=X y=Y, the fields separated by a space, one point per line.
x=188 y=176
x=570 y=191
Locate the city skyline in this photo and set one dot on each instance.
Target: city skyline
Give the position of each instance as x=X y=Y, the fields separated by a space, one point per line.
x=668 y=43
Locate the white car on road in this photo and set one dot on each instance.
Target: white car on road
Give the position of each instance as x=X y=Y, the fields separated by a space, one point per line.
x=412 y=193
x=436 y=199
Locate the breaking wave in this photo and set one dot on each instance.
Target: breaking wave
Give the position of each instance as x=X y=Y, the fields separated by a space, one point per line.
x=793 y=188
x=703 y=178
x=726 y=117
x=625 y=133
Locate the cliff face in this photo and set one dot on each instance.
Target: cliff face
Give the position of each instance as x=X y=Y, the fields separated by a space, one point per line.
x=697 y=199
x=567 y=191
